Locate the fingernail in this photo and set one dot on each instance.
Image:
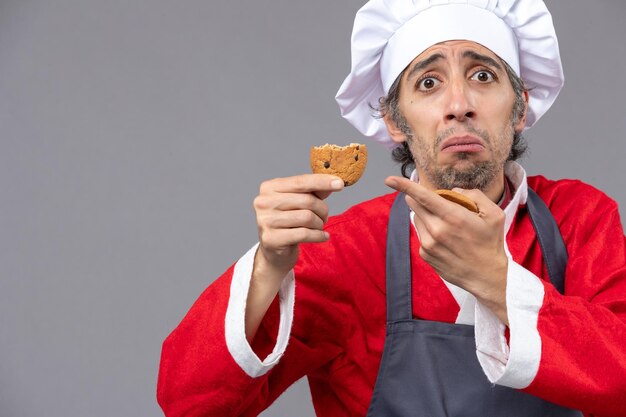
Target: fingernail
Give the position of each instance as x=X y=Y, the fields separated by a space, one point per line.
x=336 y=184
x=326 y=235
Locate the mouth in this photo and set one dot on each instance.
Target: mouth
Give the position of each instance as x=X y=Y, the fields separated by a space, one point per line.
x=462 y=144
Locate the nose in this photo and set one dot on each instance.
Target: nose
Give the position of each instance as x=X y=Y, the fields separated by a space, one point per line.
x=459 y=102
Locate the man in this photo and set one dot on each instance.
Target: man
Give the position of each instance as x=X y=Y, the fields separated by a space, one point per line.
x=425 y=310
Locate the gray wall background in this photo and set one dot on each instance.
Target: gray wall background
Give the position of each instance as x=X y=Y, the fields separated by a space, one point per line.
x=133 y=138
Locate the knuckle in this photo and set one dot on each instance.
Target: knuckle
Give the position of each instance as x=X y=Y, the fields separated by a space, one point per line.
x=427 y=245
x=425 y=254
x=259 y=202
x=263 y=231
x=265 y=239
x=265 y=223
x=299 y=182
x=324 y=211
x=265 y=187
x=311 y=200
x=300 y=234
x=309 y=217
x=500 y=217
x=438 y=234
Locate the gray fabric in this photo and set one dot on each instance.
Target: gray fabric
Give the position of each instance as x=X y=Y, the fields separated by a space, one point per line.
x=430 y=368
x=551 y=242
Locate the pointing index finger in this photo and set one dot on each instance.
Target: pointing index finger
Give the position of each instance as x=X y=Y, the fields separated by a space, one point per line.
x=428 y=200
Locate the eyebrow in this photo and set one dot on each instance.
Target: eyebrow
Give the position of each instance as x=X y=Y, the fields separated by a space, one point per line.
x=482 y=58
x=420 y=65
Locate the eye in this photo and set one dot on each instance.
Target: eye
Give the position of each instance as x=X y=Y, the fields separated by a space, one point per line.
x=427 y=83
x=483 y=76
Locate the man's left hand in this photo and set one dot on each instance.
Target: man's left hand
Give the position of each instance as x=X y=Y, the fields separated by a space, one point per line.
x=465 y=248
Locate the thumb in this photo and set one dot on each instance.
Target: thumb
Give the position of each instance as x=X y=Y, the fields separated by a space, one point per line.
x=336 y=184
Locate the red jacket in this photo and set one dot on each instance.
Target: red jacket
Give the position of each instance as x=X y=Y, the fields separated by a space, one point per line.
x=338 y=329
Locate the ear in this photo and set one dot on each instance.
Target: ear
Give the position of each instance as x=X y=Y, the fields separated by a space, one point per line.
x=521 y=123
x=395 y=133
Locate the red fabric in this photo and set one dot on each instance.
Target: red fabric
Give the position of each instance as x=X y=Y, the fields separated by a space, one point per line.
x=339 y=319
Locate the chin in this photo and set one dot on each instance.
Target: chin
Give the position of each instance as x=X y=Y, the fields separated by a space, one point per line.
x=468 y=175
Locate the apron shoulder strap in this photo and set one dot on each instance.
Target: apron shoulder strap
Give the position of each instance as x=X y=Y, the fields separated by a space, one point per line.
x=398 y=260
x=550 y=239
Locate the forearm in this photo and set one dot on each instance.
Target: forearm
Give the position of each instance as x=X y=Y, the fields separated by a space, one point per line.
x=265 y=284
x=492 y=293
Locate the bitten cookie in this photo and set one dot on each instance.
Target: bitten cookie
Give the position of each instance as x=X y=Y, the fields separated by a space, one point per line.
x=459 y=199
x=346 y=162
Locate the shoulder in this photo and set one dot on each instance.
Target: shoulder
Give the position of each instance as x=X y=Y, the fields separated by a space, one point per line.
x=570 y=194
x=577 y=207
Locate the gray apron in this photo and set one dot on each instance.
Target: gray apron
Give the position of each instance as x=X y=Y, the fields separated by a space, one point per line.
x=430 y=369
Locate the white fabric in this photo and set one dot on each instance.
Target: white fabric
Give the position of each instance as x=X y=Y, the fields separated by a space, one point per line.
x=513 y=366
x=236 y=341
x=389 y=34
x=420 y=33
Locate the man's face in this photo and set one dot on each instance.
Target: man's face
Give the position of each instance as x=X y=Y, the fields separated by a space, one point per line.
x=458 y=102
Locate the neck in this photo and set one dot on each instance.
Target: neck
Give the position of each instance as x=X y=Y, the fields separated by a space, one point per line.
x=496 y=189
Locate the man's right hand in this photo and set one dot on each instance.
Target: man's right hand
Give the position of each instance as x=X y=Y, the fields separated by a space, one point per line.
x=289 y=211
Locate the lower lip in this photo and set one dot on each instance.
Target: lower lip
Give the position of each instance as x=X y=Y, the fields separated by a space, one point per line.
x=468 y=147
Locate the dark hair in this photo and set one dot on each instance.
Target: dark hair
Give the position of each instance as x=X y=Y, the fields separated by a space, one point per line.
x=402 y=153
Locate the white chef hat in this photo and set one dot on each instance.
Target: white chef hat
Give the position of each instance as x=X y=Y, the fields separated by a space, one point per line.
x=389 y=34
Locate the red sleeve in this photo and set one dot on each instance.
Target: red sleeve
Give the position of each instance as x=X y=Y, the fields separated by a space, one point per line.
x=198 y=375
x=194 y=356
x=583 y=333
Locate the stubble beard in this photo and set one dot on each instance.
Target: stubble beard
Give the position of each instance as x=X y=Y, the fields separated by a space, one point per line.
x=478 y=175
